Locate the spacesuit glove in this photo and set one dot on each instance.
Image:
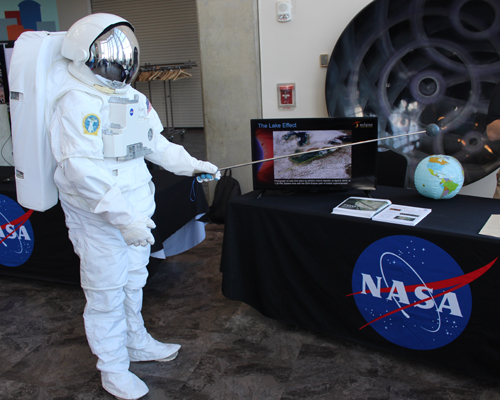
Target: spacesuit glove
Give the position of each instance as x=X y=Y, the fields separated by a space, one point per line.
x=205 y=167
x=208 y=177
x=138 y=233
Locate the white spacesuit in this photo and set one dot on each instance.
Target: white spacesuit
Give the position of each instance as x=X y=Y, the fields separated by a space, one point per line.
x=100 y=133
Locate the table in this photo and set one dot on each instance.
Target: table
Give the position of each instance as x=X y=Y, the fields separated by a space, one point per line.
x=178 y=203
x=292 y=260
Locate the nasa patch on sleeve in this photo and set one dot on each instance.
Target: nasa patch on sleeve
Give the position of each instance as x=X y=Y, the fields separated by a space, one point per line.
x=412 y=292
x=91 y=124
x=16 y=233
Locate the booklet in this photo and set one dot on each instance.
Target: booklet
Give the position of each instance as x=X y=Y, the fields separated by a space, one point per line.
x=364 y=207
x=404 y=215
x=492 y=226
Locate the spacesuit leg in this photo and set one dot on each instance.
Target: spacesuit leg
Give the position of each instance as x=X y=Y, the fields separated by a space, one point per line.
x=141 y=346
x=103 y=272
x=106 y=329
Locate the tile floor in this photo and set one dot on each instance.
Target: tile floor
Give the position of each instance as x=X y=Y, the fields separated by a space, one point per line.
x=230 y=351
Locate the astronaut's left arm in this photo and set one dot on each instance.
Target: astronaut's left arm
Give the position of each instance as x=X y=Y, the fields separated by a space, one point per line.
x=173 y=157
x=176 y=159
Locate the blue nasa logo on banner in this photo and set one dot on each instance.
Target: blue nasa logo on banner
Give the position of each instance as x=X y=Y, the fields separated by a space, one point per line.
x=406 y=289
x=16 y=233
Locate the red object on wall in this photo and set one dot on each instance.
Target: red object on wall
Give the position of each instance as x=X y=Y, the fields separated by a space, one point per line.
x=14 y=14
x=286 y=94
x=14 y=31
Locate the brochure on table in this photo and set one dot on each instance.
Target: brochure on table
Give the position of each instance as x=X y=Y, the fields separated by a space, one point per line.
x=403 y=215
x=492 y=226
x=381 y=210
x=363 y=207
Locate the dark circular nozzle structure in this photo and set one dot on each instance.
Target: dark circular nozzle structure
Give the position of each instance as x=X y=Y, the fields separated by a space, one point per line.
x=412 y=63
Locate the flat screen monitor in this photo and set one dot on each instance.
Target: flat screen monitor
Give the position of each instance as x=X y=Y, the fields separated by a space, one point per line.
x=309 y=160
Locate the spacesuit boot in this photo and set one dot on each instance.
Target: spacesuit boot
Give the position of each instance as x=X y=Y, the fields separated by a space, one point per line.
x=140 y=344
x=117 y=379
x=106 y=330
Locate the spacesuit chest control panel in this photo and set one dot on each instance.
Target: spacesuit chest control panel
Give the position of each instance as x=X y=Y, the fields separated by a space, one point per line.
x=129 y=131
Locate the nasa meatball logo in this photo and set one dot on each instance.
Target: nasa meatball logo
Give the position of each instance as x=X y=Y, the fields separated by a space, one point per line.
x=16 y=233
x=412 y=292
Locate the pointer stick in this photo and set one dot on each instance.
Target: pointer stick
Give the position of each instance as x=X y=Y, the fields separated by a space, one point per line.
x=432 y=130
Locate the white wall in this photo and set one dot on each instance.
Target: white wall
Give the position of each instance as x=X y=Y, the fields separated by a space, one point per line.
x=290 y=51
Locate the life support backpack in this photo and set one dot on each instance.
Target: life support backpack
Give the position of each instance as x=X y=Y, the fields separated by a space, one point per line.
x=35 y=53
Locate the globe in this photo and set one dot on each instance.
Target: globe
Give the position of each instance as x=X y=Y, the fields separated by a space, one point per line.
x=439 y=177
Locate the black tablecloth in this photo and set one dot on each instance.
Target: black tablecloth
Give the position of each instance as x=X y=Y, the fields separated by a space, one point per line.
x=292 y=260
x=178 y=201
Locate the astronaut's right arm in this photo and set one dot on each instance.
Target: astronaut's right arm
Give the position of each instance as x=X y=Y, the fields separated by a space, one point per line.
x=78 y=151
x=92 y=182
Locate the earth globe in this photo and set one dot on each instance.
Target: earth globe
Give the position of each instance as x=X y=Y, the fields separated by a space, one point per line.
x=439 y=177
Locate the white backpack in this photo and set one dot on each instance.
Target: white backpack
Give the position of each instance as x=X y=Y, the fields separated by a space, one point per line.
x=35 y=53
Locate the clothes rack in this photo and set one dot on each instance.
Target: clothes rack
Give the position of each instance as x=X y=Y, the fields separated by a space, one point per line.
x=166 y=73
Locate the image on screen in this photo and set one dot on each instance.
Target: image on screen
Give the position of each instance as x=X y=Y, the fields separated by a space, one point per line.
x=326 y=164
x=313 y=153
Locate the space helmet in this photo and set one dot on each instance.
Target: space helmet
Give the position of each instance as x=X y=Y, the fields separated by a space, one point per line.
x=103 y=49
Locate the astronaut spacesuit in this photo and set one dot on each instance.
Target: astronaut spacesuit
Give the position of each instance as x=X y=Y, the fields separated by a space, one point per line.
x=108 y=201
